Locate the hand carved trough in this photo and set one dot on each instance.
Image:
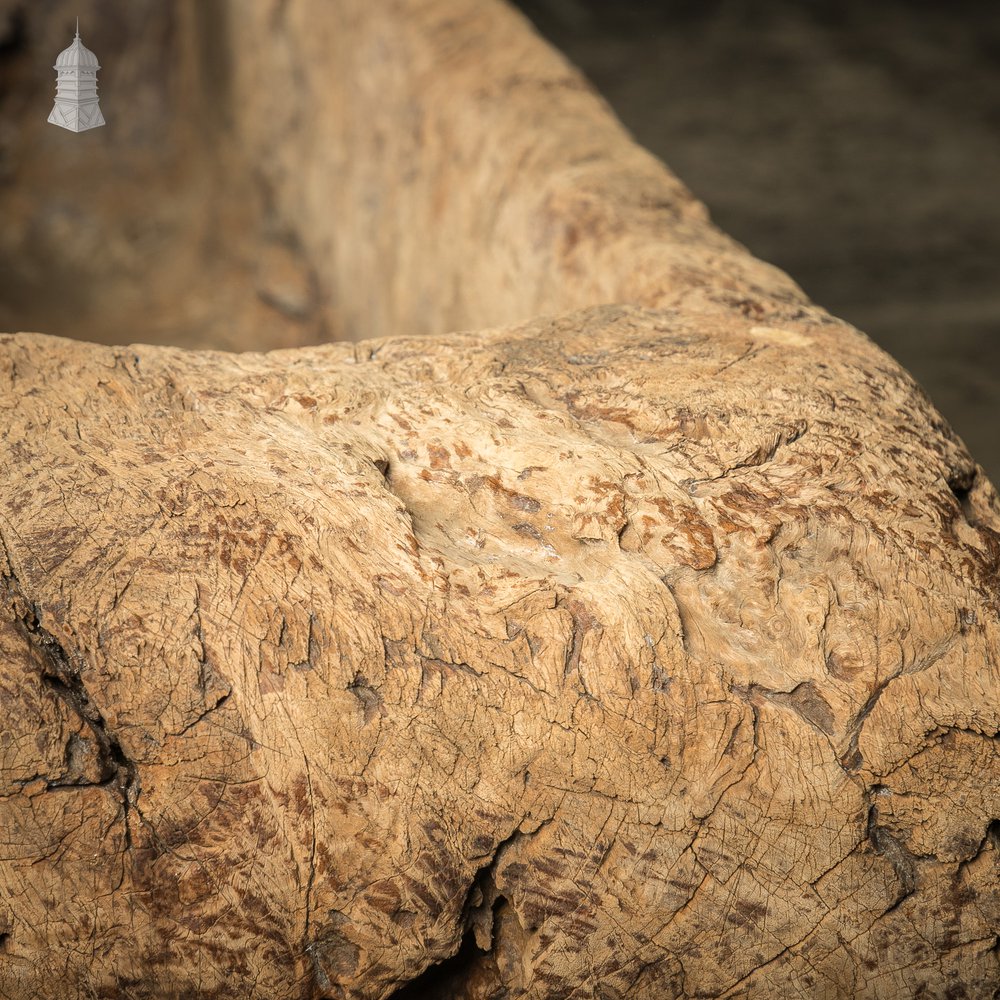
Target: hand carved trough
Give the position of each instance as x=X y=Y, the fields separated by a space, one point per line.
x=641 y=643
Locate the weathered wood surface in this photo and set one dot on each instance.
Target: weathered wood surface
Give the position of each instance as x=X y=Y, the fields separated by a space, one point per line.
x=650 y=650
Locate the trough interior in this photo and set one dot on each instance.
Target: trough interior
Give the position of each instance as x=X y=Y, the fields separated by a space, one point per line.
x=277 y=174
x=265 y=179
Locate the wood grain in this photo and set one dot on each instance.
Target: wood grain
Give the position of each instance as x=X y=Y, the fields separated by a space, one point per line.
x=642 y=642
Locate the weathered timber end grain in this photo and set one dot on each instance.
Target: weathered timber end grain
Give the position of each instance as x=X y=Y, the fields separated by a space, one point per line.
x=646 y=650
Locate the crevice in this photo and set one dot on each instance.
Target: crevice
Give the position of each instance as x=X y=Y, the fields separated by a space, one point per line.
x=993 y=835
x=116 y=768
x=441 y=981
x=852 y=759
x=63 y=677
x=903 y=864
x=961 y=483
x=205 y=714
x=474 y=962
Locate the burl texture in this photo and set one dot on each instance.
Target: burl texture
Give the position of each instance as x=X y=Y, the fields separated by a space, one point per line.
x=646 y=650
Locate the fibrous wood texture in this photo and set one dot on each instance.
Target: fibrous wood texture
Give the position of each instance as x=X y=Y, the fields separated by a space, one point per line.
x=647 y=650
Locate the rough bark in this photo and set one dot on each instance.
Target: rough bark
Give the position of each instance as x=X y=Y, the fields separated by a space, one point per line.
x=648 y=650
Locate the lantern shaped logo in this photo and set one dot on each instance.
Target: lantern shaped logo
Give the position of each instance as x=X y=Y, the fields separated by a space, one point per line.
x=76 y=106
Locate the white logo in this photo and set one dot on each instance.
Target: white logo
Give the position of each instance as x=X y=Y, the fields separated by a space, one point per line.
x=76 y=106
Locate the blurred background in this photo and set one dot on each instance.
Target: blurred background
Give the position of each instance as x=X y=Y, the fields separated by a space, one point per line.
x=151 y=229
x=854 y=143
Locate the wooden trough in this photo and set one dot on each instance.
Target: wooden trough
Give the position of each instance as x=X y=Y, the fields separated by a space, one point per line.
x=640 y=641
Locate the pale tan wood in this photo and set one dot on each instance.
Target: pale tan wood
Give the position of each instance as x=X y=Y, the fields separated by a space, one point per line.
x=650 y=648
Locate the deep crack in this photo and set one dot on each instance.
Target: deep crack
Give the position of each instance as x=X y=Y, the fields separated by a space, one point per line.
x=896 y=854
x=63 y=677
x=474 y=962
